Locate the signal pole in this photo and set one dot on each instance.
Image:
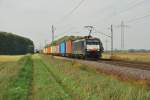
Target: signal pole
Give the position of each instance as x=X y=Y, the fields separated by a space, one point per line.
x=106 y=44
x=122 y=26
x=122 y=35
x=53 y=31
x=111 y=40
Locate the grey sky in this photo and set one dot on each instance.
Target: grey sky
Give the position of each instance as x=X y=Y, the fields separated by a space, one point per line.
x=32 y=18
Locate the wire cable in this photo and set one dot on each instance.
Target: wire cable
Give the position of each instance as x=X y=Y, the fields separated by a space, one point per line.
x=71 y=12
x=139 y=18
x=102 y=33
x=129 y=8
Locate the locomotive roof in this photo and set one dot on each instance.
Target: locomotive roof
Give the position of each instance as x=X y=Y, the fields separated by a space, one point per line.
x=87 y=39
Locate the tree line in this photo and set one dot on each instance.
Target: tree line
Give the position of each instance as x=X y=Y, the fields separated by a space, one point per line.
x=11 y=44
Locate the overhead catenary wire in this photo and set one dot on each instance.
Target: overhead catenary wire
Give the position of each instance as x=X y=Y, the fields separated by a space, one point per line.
x=131 y=7
x=66 y=31
x=126 y=9
x=102 y=33
x=71 y=12
x=80 y=3
x=138 y=18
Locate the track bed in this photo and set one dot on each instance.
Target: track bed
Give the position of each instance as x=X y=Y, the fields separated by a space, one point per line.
x=123 y=69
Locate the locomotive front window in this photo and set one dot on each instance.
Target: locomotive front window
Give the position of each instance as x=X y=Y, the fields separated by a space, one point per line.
x=92 y=43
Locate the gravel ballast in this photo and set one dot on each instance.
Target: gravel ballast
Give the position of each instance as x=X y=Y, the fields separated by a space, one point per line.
x=120 y=71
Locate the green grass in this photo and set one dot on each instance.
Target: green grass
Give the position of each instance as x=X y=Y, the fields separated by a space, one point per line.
x=85 y=84
x=46 y=78
x=45 y=85
x=8 y=73
x=20 y=88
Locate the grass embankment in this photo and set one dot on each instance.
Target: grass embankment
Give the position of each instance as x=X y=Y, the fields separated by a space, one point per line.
x=82 y=83
x=138 y=57
x=16 y=79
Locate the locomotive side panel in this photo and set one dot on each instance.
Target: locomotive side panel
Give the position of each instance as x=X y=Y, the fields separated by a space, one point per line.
x=79 y=48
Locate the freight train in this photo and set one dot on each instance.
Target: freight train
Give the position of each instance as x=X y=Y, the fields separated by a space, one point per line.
x=81 y=48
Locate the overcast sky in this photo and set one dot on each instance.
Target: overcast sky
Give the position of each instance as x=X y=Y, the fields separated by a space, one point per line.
x=33 y=19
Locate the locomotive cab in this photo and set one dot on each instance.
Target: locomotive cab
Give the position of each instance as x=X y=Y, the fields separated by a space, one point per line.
x=93 y=48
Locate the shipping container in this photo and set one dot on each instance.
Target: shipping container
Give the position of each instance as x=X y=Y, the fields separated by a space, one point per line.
x=62 y=48
x=54 y=49
x=51 y=50
x=48 y=50
x=45 y=50
x=57 y=49
x=69 y=48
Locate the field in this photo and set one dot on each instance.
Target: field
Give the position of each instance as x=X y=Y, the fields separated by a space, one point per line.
x=139 y=57
x=39 y=77
x=9 y=58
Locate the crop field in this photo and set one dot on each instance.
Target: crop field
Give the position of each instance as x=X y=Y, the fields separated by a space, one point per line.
x=40 y=77
x=9 y=58
x=139 y=57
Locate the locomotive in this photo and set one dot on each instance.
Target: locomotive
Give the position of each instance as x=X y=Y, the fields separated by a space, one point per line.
x=87 y=47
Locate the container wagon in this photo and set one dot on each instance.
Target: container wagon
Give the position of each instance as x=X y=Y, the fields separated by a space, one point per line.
x=69 y=48
x=62 y=48
x=53 y=50
x=48 y=50
x=57 y=50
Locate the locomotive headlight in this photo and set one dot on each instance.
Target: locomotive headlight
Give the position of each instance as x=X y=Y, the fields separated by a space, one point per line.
x=87 y=50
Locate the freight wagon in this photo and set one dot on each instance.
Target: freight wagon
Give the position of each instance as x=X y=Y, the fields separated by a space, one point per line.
x=69 y=48
x=62 y=48
x=57 y=50
x=81 y=48
x=48 y=50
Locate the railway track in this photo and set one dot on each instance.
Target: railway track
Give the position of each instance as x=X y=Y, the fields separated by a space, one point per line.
x=137 y=65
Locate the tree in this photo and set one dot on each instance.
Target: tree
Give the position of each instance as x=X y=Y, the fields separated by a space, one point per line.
x=13 y=44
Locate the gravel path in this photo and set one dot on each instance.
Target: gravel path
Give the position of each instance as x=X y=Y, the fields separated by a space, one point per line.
x=120 y=71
